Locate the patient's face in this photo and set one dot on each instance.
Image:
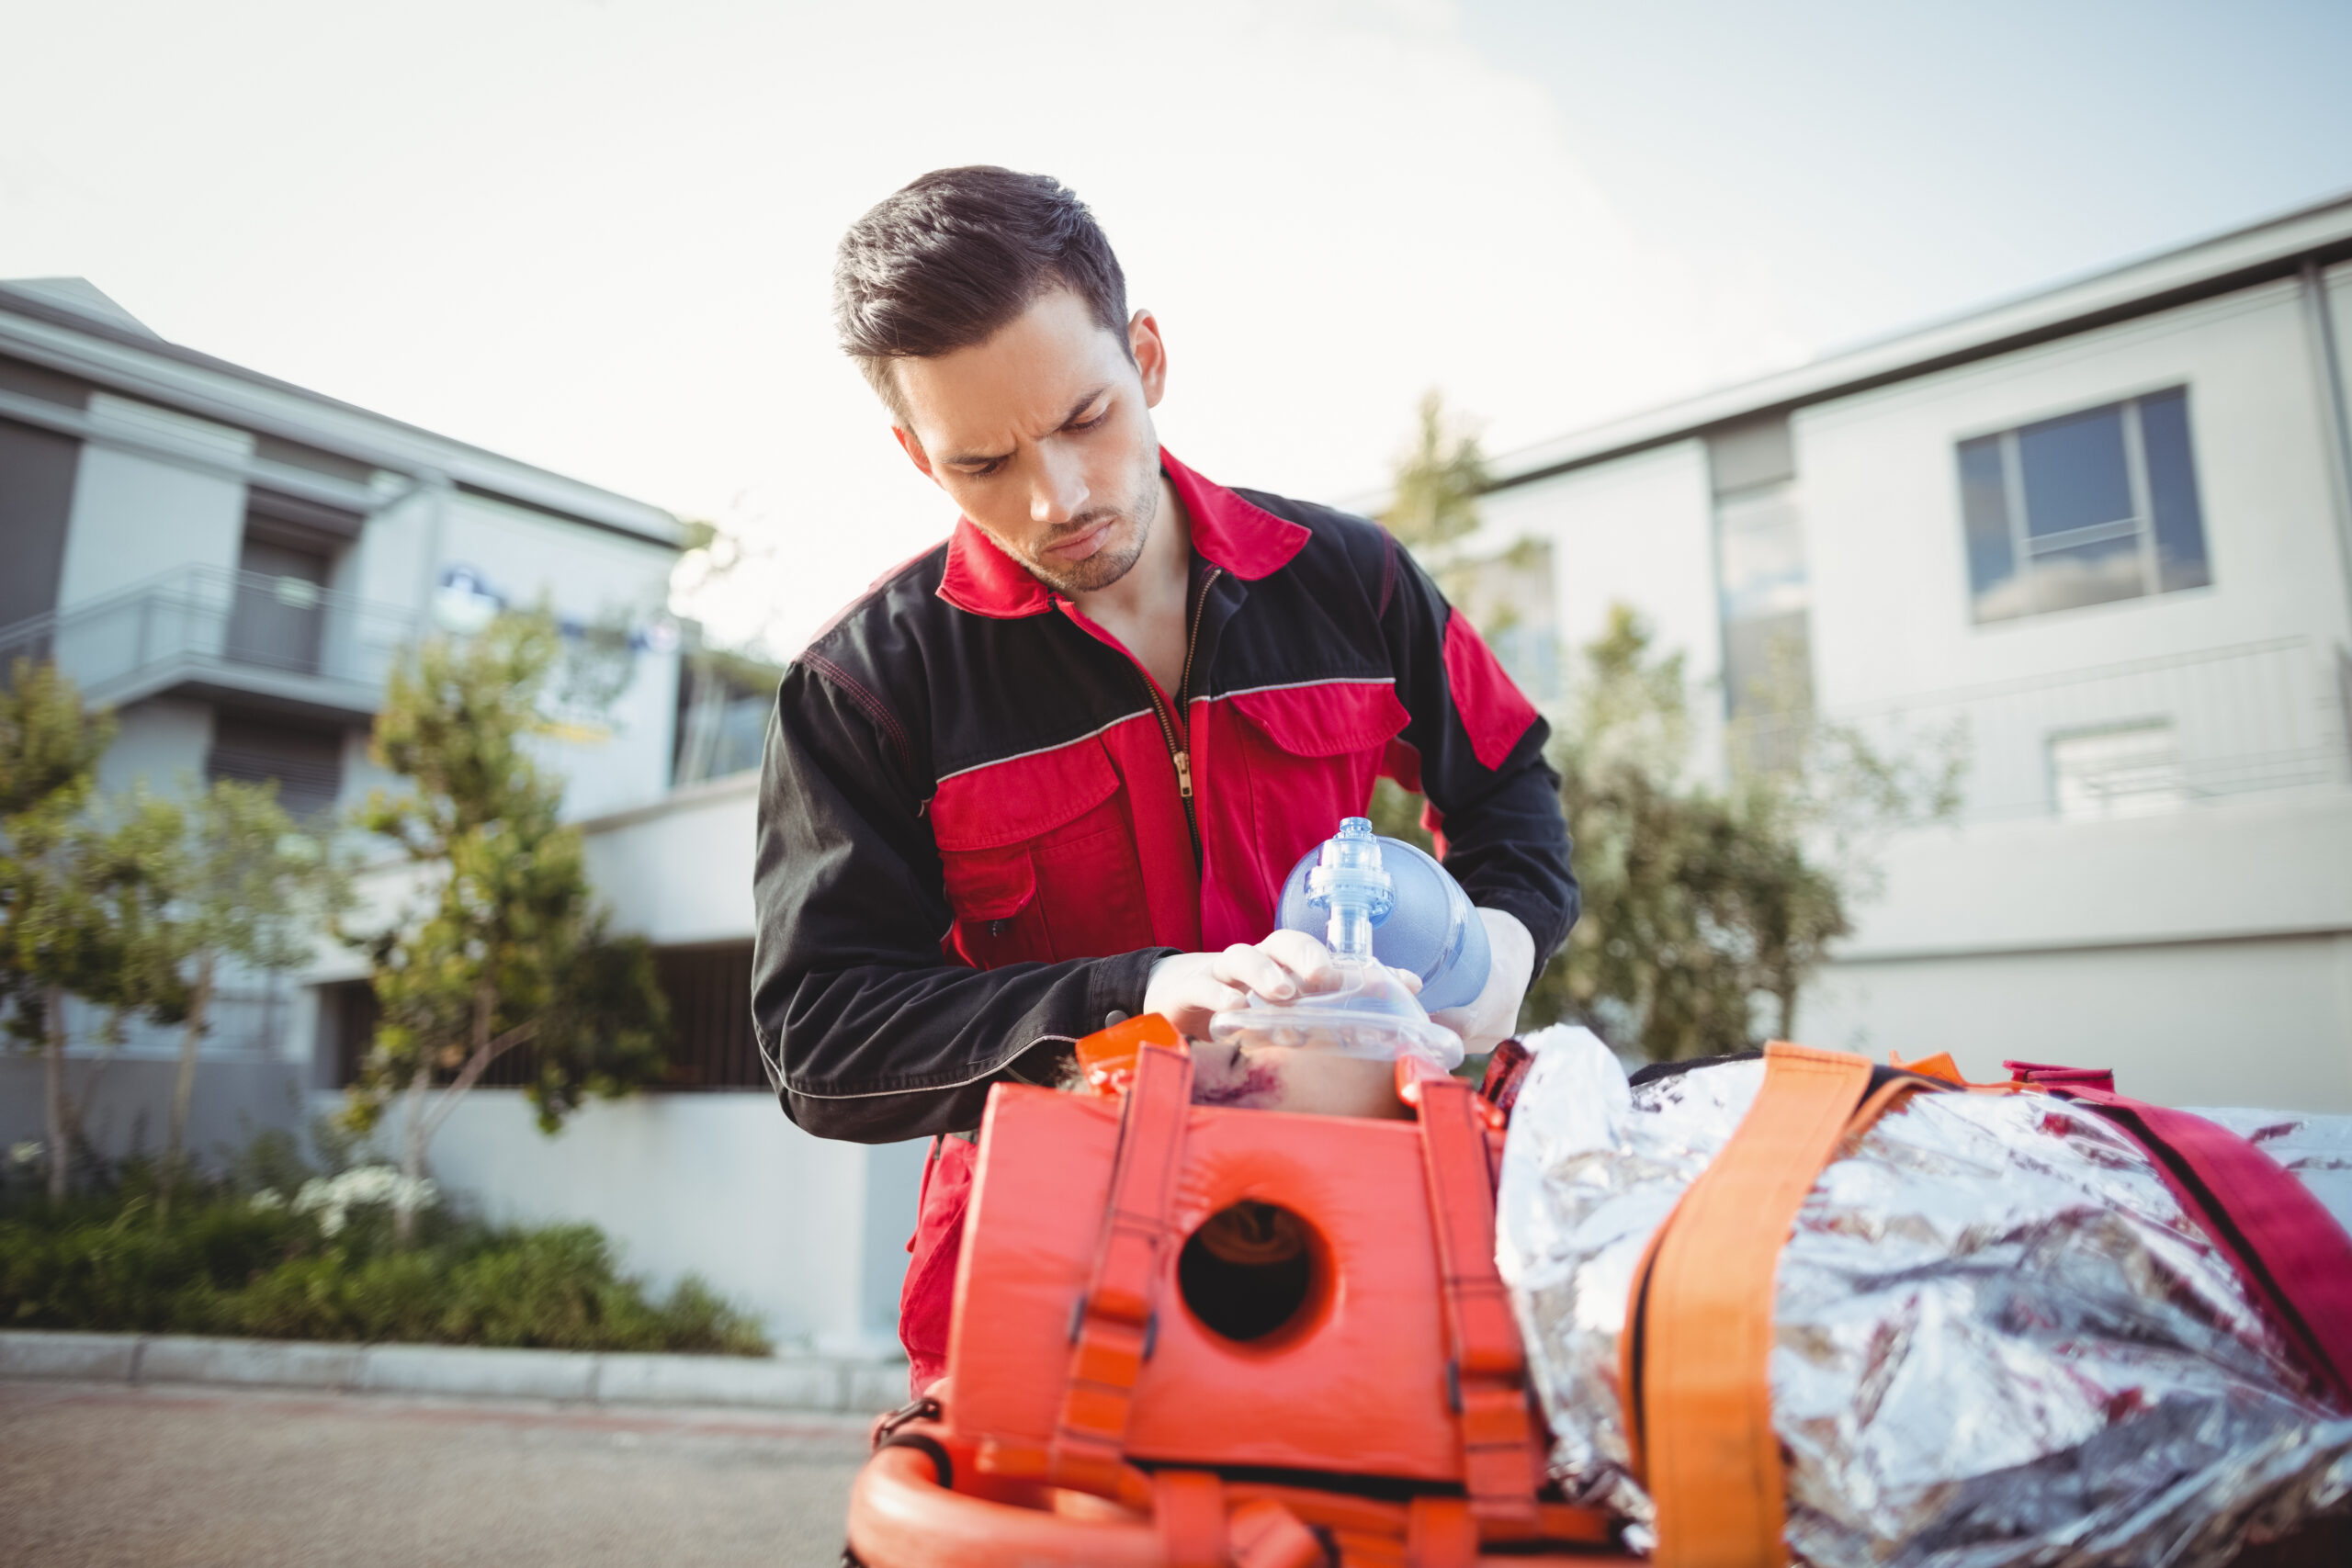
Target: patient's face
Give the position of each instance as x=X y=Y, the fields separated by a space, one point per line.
x=1286 y=1078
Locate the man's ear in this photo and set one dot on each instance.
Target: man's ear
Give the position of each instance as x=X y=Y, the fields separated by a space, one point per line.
x=913 y=449
x=1150 y=353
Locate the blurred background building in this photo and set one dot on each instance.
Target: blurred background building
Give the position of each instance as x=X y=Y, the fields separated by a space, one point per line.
x=233 y=563
x=2101 y=532
x=2104 y=531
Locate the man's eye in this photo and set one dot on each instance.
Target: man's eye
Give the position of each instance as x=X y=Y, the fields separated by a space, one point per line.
x=985 y=470
x=1091 y=424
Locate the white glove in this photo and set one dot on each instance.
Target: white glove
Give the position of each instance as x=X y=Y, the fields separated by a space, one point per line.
x=1188 y=987
x=1493 y=1017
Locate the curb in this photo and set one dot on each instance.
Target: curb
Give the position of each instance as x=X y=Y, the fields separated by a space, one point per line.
x=832 y=1385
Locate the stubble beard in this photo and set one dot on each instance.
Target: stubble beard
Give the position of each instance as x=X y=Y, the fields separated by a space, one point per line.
x=1115 y=558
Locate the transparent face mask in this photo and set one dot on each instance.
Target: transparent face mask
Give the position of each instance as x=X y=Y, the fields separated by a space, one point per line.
x=1370 y=1013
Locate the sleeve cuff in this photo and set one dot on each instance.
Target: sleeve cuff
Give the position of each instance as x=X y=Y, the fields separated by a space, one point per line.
x=1117 y=985
x=1543 y=920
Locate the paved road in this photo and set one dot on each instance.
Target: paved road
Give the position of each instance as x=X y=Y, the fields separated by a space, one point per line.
x=96 y=1475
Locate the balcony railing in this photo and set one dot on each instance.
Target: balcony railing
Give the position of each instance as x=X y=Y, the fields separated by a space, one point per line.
x=212 y=626
x=2135 y=738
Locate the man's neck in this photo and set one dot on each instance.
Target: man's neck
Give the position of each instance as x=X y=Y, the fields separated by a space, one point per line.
x=1145 y=609
x=1163 y=572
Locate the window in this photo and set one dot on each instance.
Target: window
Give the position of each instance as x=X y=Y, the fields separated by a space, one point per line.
x=1762 y=582
x=2083 y=509
x=2121 y=770
x=723 y=706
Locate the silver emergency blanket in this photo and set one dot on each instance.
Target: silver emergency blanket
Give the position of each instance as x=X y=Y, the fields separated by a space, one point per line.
x=1998 y=1339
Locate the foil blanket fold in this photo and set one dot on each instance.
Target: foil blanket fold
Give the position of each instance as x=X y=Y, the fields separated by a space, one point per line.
x=1997 y=1338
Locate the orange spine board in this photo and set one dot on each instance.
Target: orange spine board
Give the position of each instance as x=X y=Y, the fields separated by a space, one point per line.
x=1354 y=1383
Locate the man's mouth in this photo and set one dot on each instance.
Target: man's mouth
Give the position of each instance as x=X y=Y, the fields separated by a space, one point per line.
x=1078 y=546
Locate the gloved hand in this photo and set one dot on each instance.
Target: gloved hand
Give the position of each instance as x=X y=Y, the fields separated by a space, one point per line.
x=1189 y=986
x=1493 y=1017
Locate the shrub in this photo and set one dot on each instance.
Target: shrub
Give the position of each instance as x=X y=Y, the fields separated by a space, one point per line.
x=232 y=1262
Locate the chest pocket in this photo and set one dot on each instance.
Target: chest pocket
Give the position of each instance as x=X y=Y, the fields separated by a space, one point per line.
x=1039 y=858
x=1312 y=754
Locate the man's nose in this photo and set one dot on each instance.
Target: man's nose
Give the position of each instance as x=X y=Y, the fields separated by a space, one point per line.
x=1057 y=490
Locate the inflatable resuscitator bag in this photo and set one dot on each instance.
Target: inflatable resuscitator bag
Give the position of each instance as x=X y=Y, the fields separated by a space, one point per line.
x=1429 y=927
x=1352 y=884
x=1798 y=1309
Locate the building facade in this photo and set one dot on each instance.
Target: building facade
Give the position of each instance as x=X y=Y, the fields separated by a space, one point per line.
x=2103 y=536
x=233 y=564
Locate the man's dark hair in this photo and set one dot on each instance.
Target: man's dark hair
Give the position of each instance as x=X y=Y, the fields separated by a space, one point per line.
x=944 y=262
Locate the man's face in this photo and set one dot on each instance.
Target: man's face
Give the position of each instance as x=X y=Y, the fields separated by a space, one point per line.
x=1043 y=436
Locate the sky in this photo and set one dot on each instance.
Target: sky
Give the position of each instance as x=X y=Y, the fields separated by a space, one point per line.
x=596 y=234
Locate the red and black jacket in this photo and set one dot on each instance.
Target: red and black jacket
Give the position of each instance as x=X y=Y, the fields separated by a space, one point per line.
x=973 y=837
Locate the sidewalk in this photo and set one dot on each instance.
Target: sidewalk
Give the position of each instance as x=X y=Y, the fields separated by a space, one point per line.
x=826 y=1384
x=182 y=1475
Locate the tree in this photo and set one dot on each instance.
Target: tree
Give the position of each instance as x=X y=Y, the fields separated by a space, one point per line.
x=85 y=913
x=1434 y=506
x=49 y=748
x=502 y=945
x=248 y=889
x=1704 y=907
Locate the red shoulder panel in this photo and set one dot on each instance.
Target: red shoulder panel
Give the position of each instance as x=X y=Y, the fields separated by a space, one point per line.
x=1493 y=709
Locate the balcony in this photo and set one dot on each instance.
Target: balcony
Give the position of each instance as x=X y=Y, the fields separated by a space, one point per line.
x=275 y=643
x=2131 y=740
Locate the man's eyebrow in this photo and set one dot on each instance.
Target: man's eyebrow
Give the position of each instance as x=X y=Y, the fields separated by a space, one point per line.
x=969 y=460
x=1080 y=406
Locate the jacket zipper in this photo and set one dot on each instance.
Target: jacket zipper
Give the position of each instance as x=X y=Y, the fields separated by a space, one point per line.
x=1180 y=755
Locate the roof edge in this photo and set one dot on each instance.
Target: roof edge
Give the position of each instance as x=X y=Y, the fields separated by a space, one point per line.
x=158 y=370
x=2257 y=253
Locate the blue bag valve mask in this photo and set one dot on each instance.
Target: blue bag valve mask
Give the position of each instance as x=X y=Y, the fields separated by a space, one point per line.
x=1349 y=886
x=1430 y=927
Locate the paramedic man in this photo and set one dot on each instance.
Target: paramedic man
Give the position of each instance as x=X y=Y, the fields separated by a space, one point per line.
x=1053 y=770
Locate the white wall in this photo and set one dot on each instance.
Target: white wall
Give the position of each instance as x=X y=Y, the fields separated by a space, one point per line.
x=2258 y=865
x=2206 y=954
x=130 y=1099
x=680 y=872
x=1639 y=529
x=2260 y=1022
x=388 y=563
x=588 y=574
x=136 y=515
x=1878 y=489
x=809 y=1234
x=157 y=743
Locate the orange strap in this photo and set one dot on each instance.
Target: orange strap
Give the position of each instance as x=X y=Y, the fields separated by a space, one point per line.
x=1188 y=1507
x=1440 y=1533
x=1111 y=1329
x=1266 y=1534
x=1502 y=1454
x=1705 y=1324
x=1887 y=1097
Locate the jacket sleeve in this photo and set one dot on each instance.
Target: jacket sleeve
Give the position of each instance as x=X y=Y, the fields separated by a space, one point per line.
x=868 y=1033
x=1480 y=745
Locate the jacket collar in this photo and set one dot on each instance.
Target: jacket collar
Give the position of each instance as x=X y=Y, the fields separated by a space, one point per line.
x=1245 y=540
